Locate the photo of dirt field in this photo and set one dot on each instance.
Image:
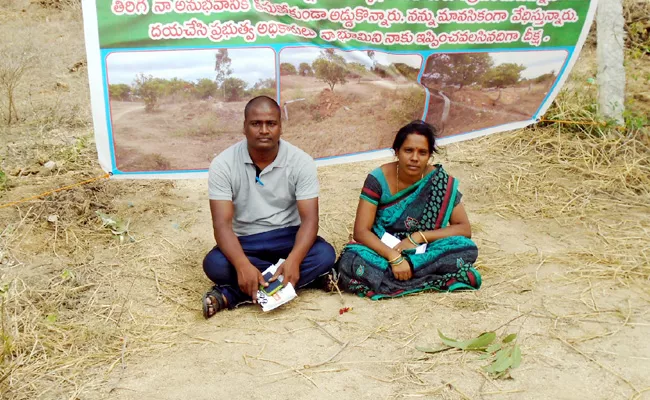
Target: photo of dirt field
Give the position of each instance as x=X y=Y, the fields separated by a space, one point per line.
x=474 y=91
x=341 y=102
x=176 y=110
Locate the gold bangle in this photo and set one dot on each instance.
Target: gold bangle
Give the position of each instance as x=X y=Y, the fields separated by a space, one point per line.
x=412 y=240
x=423 y=237
x=398 y=261
x=394 y=259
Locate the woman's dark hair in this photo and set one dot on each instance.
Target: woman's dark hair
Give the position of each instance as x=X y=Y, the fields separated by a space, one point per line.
x=420 y=128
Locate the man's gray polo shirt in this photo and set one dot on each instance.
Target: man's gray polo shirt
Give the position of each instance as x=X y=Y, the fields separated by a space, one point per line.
x=271 y=204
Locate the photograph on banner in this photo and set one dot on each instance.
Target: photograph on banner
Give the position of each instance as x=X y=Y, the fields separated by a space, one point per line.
x=177 y=109
x=480 y=90
x=338 y=102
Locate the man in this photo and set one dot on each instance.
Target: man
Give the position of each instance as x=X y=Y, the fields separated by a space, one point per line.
x=264 y=203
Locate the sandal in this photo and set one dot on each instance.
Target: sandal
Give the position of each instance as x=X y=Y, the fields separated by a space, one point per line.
x=213 y=302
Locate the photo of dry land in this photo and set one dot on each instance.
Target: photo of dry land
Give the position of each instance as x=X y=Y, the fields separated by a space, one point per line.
x=341 y=102
x=474 y=91
x=176 y=110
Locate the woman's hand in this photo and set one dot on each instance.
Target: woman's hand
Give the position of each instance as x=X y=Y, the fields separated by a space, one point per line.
x=402 y=271
x=405 y=244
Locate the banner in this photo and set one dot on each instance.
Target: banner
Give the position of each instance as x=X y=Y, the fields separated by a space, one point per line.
x=169 y=78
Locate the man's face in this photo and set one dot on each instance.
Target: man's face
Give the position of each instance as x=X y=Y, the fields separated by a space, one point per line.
x=262 y=127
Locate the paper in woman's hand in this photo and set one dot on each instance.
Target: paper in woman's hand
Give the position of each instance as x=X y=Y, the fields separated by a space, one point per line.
x=390 y=240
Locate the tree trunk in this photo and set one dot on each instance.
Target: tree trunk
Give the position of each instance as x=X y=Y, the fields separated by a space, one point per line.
x=610 y=51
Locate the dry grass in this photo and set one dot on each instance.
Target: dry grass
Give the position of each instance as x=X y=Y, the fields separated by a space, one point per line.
x=71 y=316
x=53 y=94
x=77 y=304
x=637 y=27
x=599 y=183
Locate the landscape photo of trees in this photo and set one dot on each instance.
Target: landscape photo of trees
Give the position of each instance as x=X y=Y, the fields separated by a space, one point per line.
x=474 y=91
x=175 y=110
x=341 y=102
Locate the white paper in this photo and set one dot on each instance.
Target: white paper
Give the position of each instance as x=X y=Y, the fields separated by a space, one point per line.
x=390 y=240
x=282 y=296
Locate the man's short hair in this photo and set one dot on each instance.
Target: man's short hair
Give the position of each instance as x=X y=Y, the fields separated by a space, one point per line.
x=258 y=100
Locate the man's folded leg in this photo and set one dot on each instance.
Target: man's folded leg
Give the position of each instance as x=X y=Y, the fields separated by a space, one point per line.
x=278 y=243
x=262 y=250
x=318 y=262
x=220 y=271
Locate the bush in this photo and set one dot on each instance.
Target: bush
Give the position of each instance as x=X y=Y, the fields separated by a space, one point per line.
x=408 y=105
x=271 y=92
x=150 y=89
x=119 y=91
x=234 y=89
x=288 y=69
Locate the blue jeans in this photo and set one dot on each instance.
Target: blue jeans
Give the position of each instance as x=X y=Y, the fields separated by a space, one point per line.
x=262 y=250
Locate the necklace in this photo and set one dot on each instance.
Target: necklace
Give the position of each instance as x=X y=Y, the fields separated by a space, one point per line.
x=397 y=173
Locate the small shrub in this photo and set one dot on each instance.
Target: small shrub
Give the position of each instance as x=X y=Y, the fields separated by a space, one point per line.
x=150 y=89
x=13 y=66
x=3 y=180
x=408 y=105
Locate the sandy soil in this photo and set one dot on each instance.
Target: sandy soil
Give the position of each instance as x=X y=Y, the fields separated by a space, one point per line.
x=150 y=141
x=577 y=334
x=356 y=117
x=91 y=317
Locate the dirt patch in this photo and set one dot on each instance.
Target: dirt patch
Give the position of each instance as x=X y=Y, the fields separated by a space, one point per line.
x=474 y=109
x=328 y=103
x=355 y=117
x=149 y=141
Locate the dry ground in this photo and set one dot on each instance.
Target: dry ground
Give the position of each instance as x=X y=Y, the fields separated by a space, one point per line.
x=149 y=141
x=562 y=221
x=473 y=109
x=355 y=117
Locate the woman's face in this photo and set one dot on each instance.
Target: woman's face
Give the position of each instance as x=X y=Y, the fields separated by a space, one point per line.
x=414 y=155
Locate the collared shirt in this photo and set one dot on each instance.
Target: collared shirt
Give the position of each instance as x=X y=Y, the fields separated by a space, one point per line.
x=268 y=202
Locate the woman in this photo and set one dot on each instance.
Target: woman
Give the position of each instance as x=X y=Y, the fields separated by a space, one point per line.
x=419 y=204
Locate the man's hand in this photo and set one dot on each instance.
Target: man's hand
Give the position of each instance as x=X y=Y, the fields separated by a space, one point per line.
x=402 y=271
x=250 y=279
x=290 y=271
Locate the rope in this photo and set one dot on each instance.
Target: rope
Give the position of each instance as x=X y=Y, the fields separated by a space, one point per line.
x=13 y=203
